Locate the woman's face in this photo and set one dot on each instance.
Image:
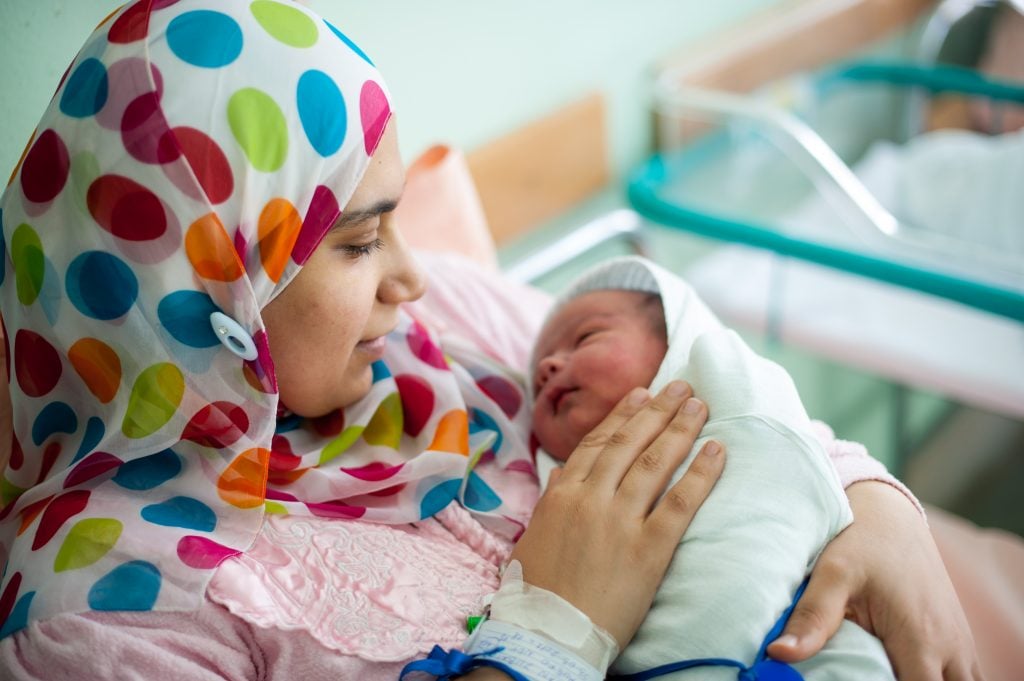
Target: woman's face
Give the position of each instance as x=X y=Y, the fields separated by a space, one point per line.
x=328 y=326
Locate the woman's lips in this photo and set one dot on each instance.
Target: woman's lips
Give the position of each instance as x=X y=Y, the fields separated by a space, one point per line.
x=373 y=347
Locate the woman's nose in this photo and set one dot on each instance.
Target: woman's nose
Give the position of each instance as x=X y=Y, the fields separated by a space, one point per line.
x=404 y=280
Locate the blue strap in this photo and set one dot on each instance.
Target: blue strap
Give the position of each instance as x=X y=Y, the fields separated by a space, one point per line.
x=763 y=669
x=446 y=664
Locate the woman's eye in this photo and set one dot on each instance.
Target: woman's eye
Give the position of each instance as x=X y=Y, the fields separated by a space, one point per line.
x=362 y=250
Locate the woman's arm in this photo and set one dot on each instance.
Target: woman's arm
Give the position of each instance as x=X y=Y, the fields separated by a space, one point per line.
x=884 y=572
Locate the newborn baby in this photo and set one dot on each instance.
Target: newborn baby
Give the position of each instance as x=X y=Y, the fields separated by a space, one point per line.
x=630 y=323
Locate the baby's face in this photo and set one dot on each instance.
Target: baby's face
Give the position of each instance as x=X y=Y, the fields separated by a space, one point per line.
x=594 y=350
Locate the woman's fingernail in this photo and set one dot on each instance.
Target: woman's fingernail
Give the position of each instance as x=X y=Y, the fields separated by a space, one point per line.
x=692 y=406
x=714 y=449
x=677 y=389
x=788 y=640
x=637 y=397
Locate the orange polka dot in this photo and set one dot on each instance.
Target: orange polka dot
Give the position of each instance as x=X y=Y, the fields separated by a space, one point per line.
x=452 y=434
x=243 y=484
x=278 y=229
x=31 y=512
x=210 y=250
x=99 y=367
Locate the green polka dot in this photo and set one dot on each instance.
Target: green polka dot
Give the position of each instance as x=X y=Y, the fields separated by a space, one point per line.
x=385 y=428
x=259 y=128
x=155 y=397
x=9 y=492
x=340 y=443
x=27 y=255
x=275 y=508
x=288 y=24
x=87 y=542
x=84 y=171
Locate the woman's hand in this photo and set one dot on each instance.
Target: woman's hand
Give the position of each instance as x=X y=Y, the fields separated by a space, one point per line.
x=884 y=572
x=600 y=537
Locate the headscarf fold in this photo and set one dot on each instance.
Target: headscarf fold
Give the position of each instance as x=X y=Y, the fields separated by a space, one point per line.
x=192 y=158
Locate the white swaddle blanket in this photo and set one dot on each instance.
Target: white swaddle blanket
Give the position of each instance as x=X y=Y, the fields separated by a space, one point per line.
x=776 y=506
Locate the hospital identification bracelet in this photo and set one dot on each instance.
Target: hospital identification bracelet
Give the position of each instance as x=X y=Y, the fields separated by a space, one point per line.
x=533 y=656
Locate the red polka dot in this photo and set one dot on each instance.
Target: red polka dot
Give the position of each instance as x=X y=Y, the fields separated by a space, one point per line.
x=218 y=425
x=209 y=164
x=132 y=25
x=50 y=455
x=46 y=167
x=92 y=466
x=145 y=133
x=10 y=596
x=37 y=364
x=417 y=402
x=504 y=393
x=17 y=456
x=423 y=348
x=57 y=513
x=374 y=112
x=374 y=472
x=29 y=514
x=126 y=209
x=331 y=424
x=336 y=510
x=129 y=78
x=320 y=216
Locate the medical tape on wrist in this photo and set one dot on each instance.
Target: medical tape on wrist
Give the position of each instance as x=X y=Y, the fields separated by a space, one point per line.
x=531 y=655
x=543 y=612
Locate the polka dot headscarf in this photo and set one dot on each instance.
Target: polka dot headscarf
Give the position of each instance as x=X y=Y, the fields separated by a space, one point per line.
x=191 y=160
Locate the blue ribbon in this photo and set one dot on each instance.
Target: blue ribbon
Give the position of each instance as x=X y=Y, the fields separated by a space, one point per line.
x=763 y=669
x=444 y=664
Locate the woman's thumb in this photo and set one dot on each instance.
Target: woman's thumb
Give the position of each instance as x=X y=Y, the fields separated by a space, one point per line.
x=813 y=621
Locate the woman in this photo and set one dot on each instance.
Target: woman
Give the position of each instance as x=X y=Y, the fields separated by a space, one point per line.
x=235 y=457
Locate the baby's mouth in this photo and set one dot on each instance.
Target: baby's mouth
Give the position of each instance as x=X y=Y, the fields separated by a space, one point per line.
x=558 y=398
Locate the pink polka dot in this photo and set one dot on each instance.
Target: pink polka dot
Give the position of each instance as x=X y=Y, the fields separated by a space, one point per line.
x=336 y=510
x=92 y=466
x=208 y=164
x=132 y=25
x=126 y=209
x=145 y=133
x=37 y=364
x=424 y=349
x=374 y=472
x=374 y=112
x=505 y=393
x=322 y=212
x=202 y=553
x=218 y=425
x=388 y=491
x=46 y=168
x=129 y=79
x=417 y=402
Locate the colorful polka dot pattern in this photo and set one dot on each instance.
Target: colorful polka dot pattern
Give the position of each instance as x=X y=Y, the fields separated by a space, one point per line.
x=167 y=182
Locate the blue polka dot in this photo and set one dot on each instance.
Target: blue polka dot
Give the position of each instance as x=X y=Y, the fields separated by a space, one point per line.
x=86 y=90
x=322 y=112
x=18 y=619
x=344 y=38
x=287 y=424
x=439 y=497
x=149 y=472
x=56 y=417
x=94 y=431
x=186 y=316
x=481 y=421
x=380 y=371
x=130 y=586
x=100 y=285
x=186 y=512
x=205 y=38
x=479 y=496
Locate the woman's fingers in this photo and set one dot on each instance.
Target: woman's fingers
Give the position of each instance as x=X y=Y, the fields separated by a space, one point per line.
x=675 y=511
x=651 y=471
x=583 y=458
x=816 y=617
x=631 y=440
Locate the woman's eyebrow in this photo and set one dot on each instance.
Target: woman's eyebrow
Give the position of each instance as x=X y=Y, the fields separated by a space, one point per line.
x=353 y=217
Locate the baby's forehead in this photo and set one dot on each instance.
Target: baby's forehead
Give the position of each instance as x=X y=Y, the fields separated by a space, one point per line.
x=607 y=304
